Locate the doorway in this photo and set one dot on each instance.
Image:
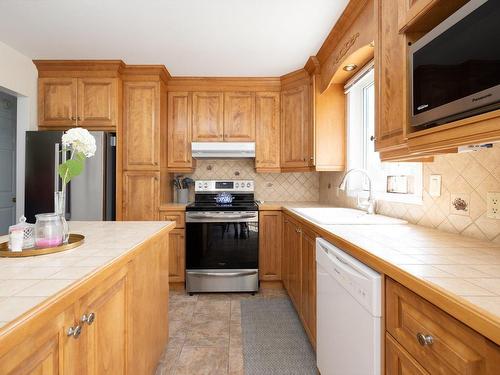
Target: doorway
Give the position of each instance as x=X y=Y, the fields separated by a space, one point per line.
x=8 y=124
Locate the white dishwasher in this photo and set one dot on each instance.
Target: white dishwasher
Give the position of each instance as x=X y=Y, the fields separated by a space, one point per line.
x=349 y=305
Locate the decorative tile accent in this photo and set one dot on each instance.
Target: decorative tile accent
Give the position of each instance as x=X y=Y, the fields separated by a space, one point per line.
x=268 y=186
x=466 y=176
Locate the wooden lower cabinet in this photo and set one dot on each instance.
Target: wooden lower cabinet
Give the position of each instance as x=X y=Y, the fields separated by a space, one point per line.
x=292 y=260
x=103 y=317
x=141 y=195
x=299 y=272
x=120 y=316
x=39 y=352
x=177 y=257
x=308 y=276
x=398 y=361
x=270 y=236
x=449 y=347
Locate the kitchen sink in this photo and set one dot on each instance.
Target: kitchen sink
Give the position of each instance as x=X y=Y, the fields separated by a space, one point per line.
x=347 y=216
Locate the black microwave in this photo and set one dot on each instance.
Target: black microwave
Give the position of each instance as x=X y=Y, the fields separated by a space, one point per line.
x=455 y=68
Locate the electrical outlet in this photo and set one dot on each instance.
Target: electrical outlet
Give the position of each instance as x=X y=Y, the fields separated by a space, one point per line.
x=493 y=205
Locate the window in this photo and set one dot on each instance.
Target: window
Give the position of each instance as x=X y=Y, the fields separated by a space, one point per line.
x=399 y=182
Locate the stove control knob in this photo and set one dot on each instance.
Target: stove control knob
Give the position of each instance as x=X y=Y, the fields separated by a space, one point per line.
x=236 y=185
x=248 y=185
x=205 y=185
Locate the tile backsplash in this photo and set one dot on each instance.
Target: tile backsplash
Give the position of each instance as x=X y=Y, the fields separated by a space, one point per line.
x=268 y=186
x=461 y=208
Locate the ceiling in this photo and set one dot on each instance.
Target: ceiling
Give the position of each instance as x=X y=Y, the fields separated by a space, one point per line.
x=190 y=37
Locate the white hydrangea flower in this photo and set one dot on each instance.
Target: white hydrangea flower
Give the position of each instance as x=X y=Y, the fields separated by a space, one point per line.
x=80 y=140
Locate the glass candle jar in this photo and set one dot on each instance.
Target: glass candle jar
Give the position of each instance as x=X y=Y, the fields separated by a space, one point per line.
x=48 y=230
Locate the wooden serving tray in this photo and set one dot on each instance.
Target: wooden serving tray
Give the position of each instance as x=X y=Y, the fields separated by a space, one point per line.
x=75 y=240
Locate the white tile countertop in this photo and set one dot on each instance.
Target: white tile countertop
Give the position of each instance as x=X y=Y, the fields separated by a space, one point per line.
x=26 y=282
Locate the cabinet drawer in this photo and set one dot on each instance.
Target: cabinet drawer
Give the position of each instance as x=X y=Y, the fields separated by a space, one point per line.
x=451 y=347
x=398 y=361
x=178 y=217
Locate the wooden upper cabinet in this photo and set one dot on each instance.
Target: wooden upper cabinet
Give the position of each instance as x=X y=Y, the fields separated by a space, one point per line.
x=267 y=131
x=270 y=237
x=239 y=116
x=141 y=125
x=57 y=98
x=296 y=135
x=97 y=102
x=390 y=78
x=179 y=131
x=208 y=116
x=104 y=331
x=141 y=192
x=86 y=102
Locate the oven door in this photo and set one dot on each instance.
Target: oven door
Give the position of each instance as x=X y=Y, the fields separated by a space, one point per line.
x=222 y=240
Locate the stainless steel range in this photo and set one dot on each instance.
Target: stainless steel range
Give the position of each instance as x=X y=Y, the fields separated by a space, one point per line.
x=222 y=238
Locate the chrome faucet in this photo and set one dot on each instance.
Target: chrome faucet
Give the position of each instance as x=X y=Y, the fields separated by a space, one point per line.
x=369 y=205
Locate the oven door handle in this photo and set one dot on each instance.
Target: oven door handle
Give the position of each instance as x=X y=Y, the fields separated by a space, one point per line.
x=223 y=274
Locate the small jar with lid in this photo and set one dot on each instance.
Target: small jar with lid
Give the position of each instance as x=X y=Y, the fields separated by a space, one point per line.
x=48 y=230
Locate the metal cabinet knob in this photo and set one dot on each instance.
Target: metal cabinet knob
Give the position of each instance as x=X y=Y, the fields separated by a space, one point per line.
x=424 y=340
x=373 y=138
x=79 y=118
x=73 y=118
x=74 y=331
x=88 y=318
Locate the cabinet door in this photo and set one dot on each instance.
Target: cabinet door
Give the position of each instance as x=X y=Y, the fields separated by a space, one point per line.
x=288 y=229
x=97 y=102
x=390 y=78
x=270 y=236
x=141 y=191
x=103 y=318
x=208 y=116
x=295 y=128
x=239 y=116
x=57 y=102
x=141 y=125
x=293 y=239
x=398 y=361
x=179 y=131
x=176 y=257
x=267 y=131
x=40 y=351
x=308 y=270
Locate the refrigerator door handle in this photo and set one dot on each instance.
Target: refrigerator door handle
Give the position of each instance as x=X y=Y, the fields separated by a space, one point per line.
x=56 y=166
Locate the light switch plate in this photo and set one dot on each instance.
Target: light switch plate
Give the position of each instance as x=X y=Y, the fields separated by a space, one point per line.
x=493 y=205
x=435 y=185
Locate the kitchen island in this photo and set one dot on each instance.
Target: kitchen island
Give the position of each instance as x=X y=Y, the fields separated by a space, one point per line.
x=100 y=308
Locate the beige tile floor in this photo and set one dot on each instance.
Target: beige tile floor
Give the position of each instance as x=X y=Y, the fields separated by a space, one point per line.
x=205 y=333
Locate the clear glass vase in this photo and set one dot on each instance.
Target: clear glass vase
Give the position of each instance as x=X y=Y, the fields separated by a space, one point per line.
x=60 y=209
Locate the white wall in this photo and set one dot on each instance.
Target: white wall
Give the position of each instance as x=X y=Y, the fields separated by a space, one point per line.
x=18 y=76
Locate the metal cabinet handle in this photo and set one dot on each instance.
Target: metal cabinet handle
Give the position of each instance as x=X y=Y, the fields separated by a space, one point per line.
x=74 y=331
x=88 y=318
x=73 y=118
x=424 y=340
x=78 y=118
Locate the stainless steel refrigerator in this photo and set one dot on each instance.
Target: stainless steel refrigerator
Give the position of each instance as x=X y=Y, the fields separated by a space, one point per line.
x=90 y=196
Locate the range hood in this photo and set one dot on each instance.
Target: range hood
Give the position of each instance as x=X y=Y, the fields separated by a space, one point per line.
x=222 y=150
